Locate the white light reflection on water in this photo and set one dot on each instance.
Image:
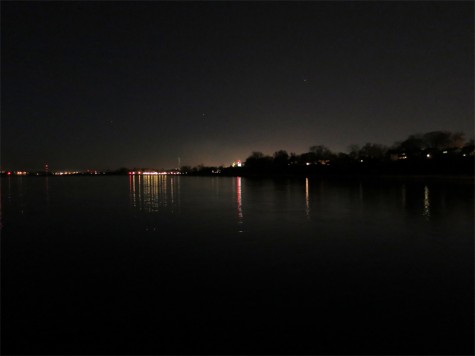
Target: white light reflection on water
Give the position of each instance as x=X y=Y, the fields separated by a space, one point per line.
x=139 y=196
x=133 y=196
x=239 y=203
x=152 y=193
x=426 y=211
x=171 y=192
x=163 y=188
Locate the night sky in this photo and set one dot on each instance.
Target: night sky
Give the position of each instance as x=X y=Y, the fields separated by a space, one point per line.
x=109 y=84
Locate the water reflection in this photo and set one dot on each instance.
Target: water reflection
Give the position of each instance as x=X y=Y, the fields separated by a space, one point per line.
x=47 y=190
x=239 y=203
x=307 y=200
x=426 y=211
x=171 y=192
x=132 y=190
x=152 y=193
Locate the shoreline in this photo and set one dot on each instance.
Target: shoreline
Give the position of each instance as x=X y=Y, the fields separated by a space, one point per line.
x=412 y=177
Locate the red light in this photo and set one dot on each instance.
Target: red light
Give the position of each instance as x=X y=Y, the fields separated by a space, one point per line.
x=8 y=173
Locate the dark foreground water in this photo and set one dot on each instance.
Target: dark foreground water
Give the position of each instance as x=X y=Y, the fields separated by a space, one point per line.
x=173 y=265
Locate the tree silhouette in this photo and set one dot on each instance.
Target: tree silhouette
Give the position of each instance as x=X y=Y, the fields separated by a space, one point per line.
x=320 y=152
x=373 y=151
x=257 y=160
x=281 y=158
x=354 y=151
x=412 y=144
x=441 y=140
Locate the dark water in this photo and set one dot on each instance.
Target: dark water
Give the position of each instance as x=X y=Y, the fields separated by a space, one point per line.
x=173 y=265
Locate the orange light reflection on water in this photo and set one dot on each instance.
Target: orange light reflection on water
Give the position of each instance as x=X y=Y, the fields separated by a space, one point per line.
x=239 y=202
x=307 y=199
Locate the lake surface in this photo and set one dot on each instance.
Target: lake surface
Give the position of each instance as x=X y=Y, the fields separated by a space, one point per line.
x=173 y=265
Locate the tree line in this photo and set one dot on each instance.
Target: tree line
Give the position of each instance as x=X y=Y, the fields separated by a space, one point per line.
x=435 y=152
